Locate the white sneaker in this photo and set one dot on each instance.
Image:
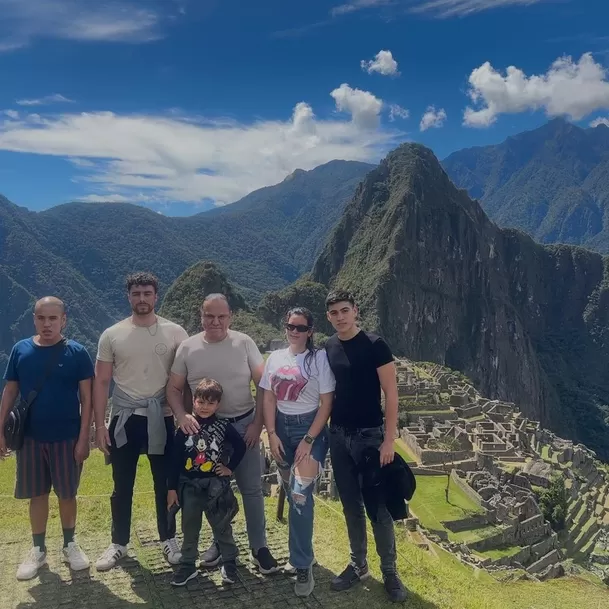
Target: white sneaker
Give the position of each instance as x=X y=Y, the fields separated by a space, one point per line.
x=75 y=557
x=110 y=557
x=172 y=551
x=30 y=566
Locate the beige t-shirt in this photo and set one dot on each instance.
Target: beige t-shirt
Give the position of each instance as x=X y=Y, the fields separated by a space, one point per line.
x=141 y=356
x=230 y=362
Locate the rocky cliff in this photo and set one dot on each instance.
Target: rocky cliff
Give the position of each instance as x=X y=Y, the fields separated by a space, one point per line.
x=442 y=283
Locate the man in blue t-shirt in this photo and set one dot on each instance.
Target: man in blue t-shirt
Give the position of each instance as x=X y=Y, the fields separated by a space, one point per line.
x=56 y=441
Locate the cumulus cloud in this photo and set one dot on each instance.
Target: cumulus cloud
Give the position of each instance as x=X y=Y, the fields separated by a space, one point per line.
x=432 y=118
x=396 y=111
x=460 y=8
x=383 y=63
x=56 y=98
x=364 y=107
x=24 y=21
x=164 y=158
x=599 y=121
x=574 y=89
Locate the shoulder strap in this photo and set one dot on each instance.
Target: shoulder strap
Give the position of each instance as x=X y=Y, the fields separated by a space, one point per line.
x=53 y=359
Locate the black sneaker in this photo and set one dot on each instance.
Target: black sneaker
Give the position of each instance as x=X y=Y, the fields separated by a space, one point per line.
x=349 y=577
x=183 y=575
x=394 y=588
x=229 y=572
x=304 y=582
x=265 y=562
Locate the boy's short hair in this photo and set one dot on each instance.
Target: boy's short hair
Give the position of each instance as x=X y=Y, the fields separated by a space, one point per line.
x=337 y=296
x=208 y=390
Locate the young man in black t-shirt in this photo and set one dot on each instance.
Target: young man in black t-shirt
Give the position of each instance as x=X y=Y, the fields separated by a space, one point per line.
x=363 y=365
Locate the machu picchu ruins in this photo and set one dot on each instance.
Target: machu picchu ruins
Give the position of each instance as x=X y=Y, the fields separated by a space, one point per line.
x=502 y=461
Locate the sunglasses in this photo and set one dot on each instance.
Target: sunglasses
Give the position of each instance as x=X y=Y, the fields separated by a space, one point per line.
x=298 y=328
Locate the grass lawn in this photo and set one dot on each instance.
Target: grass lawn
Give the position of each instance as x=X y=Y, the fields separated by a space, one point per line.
x=430 y=506
x=402 y=448
x=474 y=534
x=500 y=552
x=436 y=580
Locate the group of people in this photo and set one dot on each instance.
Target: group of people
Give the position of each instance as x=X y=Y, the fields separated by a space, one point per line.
x=186 y=402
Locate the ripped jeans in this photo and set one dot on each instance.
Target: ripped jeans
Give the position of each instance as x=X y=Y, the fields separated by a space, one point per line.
x=291 y=429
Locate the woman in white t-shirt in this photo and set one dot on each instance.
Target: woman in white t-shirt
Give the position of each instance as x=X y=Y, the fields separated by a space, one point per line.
x=298 y=389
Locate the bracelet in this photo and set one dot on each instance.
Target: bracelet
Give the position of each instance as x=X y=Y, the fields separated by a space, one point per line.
x=270 y=432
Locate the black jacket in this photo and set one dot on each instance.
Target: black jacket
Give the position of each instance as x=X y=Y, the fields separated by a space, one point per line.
x=394 y=484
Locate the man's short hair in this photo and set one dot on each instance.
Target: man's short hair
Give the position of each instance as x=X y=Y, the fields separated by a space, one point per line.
x=216 y=296
x=208 y=390
x=337 y=296
x=142 y=278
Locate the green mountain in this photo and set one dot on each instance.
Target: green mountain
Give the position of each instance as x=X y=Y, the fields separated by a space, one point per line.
x=552 y=183
x=83 y=251
x=528 y=323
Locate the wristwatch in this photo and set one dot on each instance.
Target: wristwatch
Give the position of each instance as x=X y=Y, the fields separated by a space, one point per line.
x=309 y=439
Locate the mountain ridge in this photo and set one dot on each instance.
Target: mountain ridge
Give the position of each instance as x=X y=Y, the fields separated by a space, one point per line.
x=550 y=182
x=443 y=283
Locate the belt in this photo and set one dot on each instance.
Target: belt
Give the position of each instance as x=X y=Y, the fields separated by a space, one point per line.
x=241 y=416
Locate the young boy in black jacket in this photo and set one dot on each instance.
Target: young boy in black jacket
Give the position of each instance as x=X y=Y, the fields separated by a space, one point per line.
x=199 y=482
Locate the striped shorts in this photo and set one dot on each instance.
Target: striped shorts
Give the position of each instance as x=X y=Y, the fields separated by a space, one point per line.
x=42 y=465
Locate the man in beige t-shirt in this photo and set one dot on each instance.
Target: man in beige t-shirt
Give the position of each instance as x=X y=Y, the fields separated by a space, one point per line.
x=232 y=359
x=137 y=353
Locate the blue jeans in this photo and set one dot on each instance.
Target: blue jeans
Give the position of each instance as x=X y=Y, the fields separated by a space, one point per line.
x=291 y=429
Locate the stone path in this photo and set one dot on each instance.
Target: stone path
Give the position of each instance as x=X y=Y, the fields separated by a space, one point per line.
x=144 y=583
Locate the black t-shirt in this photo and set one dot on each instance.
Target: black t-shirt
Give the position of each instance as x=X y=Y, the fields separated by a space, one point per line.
x=354 y=362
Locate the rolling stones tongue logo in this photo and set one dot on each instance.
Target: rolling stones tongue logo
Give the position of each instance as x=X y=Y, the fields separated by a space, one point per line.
x=287 y=383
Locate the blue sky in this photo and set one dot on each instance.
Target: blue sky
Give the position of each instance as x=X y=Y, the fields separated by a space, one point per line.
x=180 y=105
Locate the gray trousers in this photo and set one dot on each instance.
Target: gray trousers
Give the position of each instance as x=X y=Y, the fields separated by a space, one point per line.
x=346 y=449
x=248 y=478
x=214 y=498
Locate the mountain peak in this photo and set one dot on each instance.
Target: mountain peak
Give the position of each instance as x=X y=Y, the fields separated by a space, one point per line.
x=294 y=174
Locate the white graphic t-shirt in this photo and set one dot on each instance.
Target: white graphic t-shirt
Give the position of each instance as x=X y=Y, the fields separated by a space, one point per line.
x=296 y=391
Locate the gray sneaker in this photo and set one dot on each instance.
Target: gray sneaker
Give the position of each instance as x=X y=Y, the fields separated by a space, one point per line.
x=304 y=582
x=211 y=557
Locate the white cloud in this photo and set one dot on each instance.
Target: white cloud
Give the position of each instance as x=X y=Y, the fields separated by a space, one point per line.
x=599 y=121
x=396 y=111
x=109 y=198
x=383 y=63
x=11 y=114
x=358 y=5
x=432 y=118
x=459 y=8
x=567 y=88
x=24 y=21
x=441 y=9
x=56 y=98
x=164 y=158
x=364 y=107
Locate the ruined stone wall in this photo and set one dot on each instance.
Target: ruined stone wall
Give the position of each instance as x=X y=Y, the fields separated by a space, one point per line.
x=466 y=488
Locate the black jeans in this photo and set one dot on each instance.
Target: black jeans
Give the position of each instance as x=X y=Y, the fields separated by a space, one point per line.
x=346 y=447
x=124 y=466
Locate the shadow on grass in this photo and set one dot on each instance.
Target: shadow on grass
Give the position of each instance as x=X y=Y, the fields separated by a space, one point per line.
x=83 y=592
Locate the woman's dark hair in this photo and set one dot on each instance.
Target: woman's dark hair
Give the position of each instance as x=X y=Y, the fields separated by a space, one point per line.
x=311 y=355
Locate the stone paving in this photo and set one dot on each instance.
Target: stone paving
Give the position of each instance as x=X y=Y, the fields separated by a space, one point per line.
x=143 y=583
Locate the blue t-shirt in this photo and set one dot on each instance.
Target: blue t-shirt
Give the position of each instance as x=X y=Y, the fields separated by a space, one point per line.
x=55 y=414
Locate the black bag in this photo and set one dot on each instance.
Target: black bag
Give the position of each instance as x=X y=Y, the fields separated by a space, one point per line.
x=14 y=426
